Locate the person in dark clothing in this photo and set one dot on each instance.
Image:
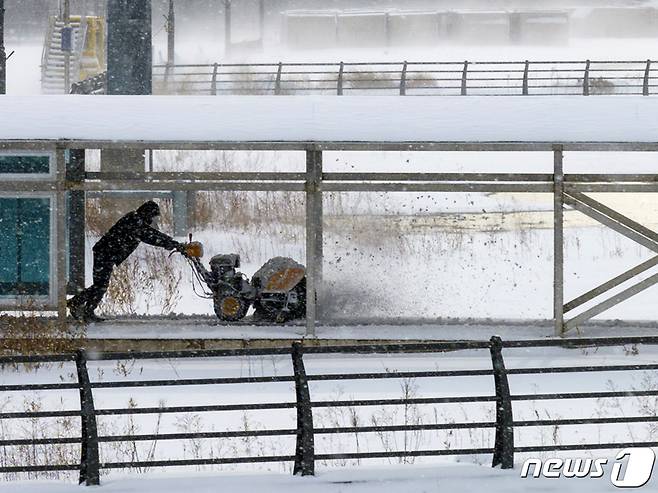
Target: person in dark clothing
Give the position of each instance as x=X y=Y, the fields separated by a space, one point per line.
x=112 y=249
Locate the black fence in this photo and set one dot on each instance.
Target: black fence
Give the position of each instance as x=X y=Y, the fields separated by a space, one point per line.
x=304 y=456
x=437 y=78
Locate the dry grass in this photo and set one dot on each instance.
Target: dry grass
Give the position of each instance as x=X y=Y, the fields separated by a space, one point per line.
x=26 y=333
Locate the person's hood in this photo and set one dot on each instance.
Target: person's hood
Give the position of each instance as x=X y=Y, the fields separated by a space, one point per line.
x=148 y=210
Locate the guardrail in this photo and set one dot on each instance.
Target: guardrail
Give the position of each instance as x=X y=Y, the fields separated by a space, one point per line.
x=304 y=456
x=483 y=78
x=585 y=77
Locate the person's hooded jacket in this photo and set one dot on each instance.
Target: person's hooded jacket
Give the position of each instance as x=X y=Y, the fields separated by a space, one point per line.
x=123 y=238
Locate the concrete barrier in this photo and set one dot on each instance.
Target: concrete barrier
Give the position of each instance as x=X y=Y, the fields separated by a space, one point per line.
x=361 y=30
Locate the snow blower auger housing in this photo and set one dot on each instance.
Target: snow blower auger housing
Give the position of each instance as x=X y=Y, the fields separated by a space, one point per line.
x=277 y=290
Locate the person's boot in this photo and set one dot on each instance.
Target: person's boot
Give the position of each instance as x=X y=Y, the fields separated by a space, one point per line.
x=89 y=317
x=77 y=308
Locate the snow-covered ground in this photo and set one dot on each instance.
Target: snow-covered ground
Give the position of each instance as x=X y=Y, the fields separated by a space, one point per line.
x=453 y=478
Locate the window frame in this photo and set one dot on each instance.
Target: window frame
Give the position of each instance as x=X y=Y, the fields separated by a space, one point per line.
x=50 y=176
x=50 y=298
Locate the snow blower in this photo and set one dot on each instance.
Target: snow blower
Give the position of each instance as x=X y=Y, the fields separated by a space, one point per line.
x=277 y=291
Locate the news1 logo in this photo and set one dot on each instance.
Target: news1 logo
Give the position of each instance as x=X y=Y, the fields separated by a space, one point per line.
x=631 y=468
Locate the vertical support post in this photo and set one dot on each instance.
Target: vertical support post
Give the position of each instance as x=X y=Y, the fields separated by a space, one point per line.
x=277 y=81
x=465 y=79
x=261 y=21
x=403 y=80
x=339 y=84
x=558 y=240
x=60 y=233
x=314 y=253
x=3 y=53
x=504 y=444
x=525 y=78
x=227 y=28
x=171 y=35
x=305 y=449
x=67 y=52
x=645 y=85
x=586 y=79
x=89 y=460
x=76 y=217
x=213 y=83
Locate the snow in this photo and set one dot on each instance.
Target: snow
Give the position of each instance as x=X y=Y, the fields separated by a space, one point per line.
x=397 y=479
x=330 y=118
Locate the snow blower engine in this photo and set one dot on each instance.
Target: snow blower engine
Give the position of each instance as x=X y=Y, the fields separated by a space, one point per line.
x=277 y=290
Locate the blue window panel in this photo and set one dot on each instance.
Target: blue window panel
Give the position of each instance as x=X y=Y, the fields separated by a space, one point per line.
x=24 y=246
x=24 y=164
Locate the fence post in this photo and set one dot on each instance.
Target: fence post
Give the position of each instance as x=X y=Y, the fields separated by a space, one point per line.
x=525 y=78
x=464 y=78
x=305 y=450
x=403 y=79
x=89 y=460
x=504 y=445
x=277 y=82
x=586 y=79
x=213 y=83
x=339 y=87
x=645 y=85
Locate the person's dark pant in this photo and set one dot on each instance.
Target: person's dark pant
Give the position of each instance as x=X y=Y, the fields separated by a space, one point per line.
x=92 y=296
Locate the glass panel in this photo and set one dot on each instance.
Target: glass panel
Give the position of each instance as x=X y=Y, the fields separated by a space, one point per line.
x=25 y=246
x=24 y=164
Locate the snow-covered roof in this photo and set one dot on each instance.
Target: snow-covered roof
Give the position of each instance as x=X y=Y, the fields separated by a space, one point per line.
x=331 y=118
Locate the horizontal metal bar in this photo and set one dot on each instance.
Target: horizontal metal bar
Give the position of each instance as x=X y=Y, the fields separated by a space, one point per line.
x=584 y=446
x=458 y=177
x=437 y=187
x=188 y=353
x=587 y=421
x=39 y=386
x=185 y=436
x=197 y=462
x=41 y=358
x=40 y=414
x=581 y=342
x=191 y=381
x=395 y=428
x=539 y=146
x=612 y=187
x=401 y=374
x=399 y=348
x=404 y=453
x=40 y=441
x=47 y=468
x=195 y=409
x=197 y=175
x=583 y=395
x=611 y=178
x=396 y=402
x=229 y=186
x=579 y=369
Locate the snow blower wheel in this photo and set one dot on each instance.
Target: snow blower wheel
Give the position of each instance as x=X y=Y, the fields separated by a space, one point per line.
x=230 y=308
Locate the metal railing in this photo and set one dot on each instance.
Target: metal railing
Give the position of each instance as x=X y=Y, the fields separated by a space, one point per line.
x=491 y=78
x=497 y=78
x=304 y=457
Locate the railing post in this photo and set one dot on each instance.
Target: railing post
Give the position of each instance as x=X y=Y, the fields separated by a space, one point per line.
x=277 y=82
x=504 y=444
x=525 y=78
x=89 y=460
x=314 y=247
x=213 y=83
x=403 y=79
x=464 y=78
x=305 y=449
x=339 y=87
x=645 y=85
x=586 y=79
x=558 y=240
